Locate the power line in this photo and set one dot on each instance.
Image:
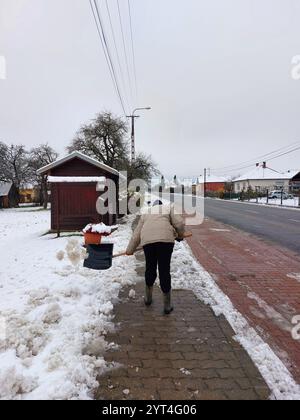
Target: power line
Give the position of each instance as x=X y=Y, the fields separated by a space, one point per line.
x=272 y=158
x=99 y=33
x=133 y=50
x=253 y=161
x=109 y=56
x=229 y=171
x=124 y=47
x=117 y=51
x=259 y=157
x=284 y=154
x=106 y=50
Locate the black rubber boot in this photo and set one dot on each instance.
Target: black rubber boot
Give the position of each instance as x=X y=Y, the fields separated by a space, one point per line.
x=168 y=308
x=148 y=296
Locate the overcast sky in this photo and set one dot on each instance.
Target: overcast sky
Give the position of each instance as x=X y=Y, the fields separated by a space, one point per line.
x=217 y=74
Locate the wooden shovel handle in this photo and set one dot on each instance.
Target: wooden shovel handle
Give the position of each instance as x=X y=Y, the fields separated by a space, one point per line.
x=123 y=254
x=187 y=235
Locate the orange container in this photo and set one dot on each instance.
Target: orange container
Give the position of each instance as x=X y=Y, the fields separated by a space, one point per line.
x=92 y=238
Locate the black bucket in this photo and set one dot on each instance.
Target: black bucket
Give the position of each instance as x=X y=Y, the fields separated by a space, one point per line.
x=99 y=257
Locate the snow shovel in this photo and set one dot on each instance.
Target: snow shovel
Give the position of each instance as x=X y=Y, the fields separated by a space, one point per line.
x=99 y=257
x=122 y=254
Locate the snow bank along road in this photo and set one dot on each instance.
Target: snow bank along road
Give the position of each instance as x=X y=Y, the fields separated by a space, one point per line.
x=275 y=224
x=57 y=314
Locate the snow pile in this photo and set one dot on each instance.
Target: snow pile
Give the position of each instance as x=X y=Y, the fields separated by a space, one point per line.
x=291 y=202
x=132 y=294
x=100 y=228
x=187 y=273
x=12 y=381
x=294 y=276
x=75 y=179
x=185 y=372
x=56 y=313
x=75 y=252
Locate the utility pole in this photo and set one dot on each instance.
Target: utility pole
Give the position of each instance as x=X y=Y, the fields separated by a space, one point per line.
x=133 y=152
x=205 y=178
x=133 y=117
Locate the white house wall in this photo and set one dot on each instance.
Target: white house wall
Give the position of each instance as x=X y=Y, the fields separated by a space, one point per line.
x=262 y=184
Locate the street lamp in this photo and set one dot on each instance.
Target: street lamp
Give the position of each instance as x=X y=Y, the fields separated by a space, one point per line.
x=133 y=117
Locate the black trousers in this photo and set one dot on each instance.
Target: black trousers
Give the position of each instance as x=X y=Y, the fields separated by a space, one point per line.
x=159 y=256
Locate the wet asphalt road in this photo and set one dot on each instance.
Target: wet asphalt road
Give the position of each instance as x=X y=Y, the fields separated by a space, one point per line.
x=279 y=225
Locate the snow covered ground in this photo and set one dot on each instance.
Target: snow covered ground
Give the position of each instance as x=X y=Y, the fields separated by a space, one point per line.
x=54 y=313
x=293 y=202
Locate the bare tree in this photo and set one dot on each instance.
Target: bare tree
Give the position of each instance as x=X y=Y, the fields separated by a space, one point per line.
x=14 y=165
x=39 y=157
x=143 y=168
x=104 y=139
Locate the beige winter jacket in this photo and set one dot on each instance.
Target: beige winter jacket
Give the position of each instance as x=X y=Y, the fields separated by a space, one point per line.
x=158 y=224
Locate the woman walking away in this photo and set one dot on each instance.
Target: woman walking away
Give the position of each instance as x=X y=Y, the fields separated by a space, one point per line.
x=156 y=232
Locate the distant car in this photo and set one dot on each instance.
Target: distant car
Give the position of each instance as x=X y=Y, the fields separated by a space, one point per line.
x=277 y=194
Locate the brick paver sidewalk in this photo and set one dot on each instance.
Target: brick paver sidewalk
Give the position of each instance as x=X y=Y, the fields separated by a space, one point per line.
x=261 y=279
x=189 y=355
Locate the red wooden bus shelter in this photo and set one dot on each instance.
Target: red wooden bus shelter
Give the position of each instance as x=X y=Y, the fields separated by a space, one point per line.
x=74 y=194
